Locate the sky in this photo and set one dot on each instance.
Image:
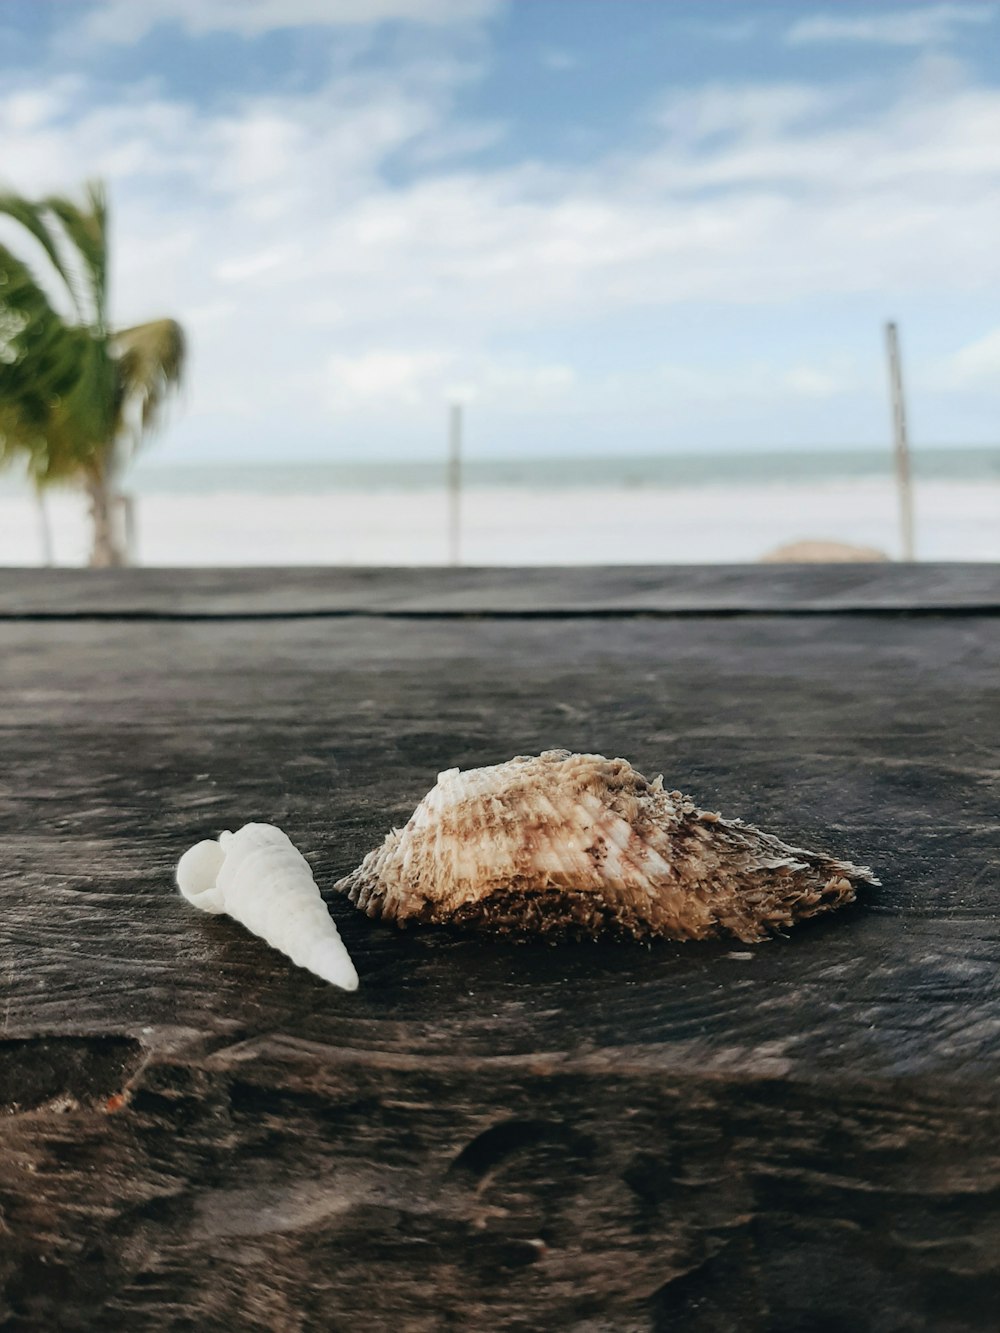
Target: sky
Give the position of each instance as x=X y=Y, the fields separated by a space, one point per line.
x=637 y=226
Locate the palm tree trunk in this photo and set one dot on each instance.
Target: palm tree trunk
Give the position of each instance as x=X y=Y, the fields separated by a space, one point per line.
x=44 y=529
x=106 y=551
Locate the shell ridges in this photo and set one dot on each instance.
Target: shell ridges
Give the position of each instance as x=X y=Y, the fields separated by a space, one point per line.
x=581 y=845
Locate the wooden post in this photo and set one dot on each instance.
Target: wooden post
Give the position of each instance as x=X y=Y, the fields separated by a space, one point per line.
x=454 y=483
x=131 y=533
x=44 y=529
x=902 y=447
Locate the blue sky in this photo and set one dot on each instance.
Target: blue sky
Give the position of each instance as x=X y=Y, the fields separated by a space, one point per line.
x=635 y=225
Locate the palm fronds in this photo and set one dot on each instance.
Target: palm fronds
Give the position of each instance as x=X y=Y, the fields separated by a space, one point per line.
x=38 y=349
x=76 y=397
x=151 y=363
x=74 y=238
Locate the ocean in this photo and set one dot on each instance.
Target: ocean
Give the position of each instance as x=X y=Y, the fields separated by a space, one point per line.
x=669 y=509
x=625 y=471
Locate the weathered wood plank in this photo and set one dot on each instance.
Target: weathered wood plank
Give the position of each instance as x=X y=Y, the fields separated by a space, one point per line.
x=324 y=728
x=653 y=590
x=195 y=1134
x=277 y=1185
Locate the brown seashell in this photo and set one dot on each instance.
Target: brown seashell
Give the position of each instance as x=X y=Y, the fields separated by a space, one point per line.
x=580 y=845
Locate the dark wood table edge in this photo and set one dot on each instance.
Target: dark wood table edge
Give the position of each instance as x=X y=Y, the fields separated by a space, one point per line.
x=536 y=592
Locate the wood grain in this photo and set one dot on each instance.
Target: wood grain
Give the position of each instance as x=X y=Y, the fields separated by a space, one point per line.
x=197 y=1135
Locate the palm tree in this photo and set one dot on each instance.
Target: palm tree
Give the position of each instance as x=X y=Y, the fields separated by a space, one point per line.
x=76 y=395
x=37 y=368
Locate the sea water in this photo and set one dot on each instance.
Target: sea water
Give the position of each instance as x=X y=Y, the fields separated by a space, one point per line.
x=623 y=471
x=669 y=509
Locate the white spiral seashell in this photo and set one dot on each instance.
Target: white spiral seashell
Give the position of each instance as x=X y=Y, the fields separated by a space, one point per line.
x=258 y=877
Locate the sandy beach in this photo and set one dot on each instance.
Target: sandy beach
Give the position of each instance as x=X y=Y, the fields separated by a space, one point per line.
x=518 y=526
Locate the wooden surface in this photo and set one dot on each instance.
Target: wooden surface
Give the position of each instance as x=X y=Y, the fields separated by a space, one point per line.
x=604 y=590
x=803 y=1135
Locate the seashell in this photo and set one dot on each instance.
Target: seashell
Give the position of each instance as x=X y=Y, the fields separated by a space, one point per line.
x=260 y=879
x=580 y=845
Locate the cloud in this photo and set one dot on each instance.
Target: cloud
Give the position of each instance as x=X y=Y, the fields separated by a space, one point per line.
x=387 y=377
x=242 y=268
x=756 y=381
x=384 y=379
x=748 y=110
x=344 y=254
x=748 y=194
x=925 y=25
x=811 y=382
x=558 y=60
x=975 y=366
x=126 y=21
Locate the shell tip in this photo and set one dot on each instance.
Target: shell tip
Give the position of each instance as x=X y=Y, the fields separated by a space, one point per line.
x=331 y=961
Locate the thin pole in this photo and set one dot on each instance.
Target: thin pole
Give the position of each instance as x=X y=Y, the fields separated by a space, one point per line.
x=902 y=445
x=131 y=532
x=44 y=529
x=454 y=483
